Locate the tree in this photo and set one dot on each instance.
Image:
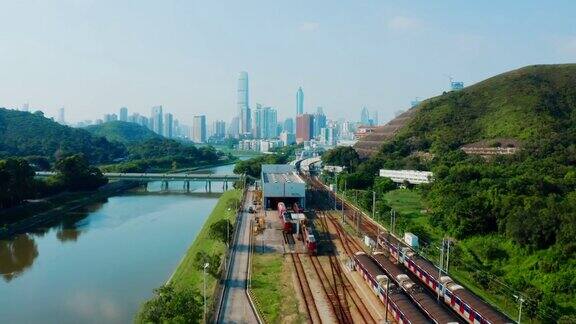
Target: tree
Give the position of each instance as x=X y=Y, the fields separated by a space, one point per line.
x=213 y=261
x=344 y=156
x=75 y=173
x=222 y=231
x=383 y=185
x=172 y=305
x=16 y=182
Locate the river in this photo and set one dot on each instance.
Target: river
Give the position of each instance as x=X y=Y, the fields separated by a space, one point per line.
x=99 y=263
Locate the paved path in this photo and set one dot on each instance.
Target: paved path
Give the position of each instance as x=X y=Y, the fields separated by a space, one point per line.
x=236 y=307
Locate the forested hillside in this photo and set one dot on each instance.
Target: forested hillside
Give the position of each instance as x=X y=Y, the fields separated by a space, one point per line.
x=32 y=134
x=513 y=216
x=122 y=132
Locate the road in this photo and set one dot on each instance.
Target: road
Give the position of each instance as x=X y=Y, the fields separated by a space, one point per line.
x=236 y=306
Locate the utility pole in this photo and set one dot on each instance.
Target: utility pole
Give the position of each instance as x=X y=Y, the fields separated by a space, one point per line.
x=520 y=301
x=342 y=206
x=204 y=271
x=441 y=266
x=335 y=191
x=373 y=204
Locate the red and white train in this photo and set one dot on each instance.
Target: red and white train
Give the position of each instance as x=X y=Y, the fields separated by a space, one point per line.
x=469 y=306
x=399 y=305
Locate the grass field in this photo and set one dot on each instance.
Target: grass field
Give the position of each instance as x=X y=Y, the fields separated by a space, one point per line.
x=273 y=289
x=187 y=274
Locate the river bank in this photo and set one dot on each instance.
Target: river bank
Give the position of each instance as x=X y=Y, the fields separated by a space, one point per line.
x=188 y=274
x=39 y=212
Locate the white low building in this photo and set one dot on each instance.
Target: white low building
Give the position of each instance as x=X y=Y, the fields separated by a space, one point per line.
x=412 y=176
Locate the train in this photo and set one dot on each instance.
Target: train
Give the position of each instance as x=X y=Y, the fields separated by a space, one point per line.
x=427 y=303
x=467 y=305
x=296 y=223
x=309 y=240
x=285 y=219
x=399 y=305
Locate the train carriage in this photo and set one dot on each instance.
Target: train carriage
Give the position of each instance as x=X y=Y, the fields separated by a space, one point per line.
x=469 y=306
x=399 y=304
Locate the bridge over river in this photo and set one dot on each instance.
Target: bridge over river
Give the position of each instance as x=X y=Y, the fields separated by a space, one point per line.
x=165 y=178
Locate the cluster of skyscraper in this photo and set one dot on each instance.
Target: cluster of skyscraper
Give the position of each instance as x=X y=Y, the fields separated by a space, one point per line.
x=367 y=118
x=262 y=123
x=163 y=124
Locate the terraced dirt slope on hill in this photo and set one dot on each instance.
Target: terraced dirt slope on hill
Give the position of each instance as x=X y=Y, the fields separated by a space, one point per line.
x=369 y=144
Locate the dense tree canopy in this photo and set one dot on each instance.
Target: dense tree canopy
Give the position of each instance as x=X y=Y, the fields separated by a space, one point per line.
x=165 y=154
x=344 y=156
x=123 y=132
x=16 y=182
x=74 y=173
x=171 y=305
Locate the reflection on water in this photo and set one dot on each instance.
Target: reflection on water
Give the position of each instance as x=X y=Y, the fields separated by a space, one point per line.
x=16 y=255
x=98 y=263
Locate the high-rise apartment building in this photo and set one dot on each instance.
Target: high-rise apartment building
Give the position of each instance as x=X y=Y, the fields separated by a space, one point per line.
x=289 y=125
x=245 y=122
x=374 y=118
x=199 y=129
x=123 y=115
x=110 y=118
x=265 y=122
x=219 y=129
x=234 y=128
x=319 y=122
x=299 y=101
x=157 y=120
x=61 y=118
x=304 y=127
x=168 y=125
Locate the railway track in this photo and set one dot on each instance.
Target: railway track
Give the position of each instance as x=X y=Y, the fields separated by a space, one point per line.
x=475 y=310
x=311 y=307
x=340 y=278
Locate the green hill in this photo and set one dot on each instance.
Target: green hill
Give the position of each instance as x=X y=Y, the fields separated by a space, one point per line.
x=512 y=216
x=27 y=134
x=524 y=104
x=123 y=132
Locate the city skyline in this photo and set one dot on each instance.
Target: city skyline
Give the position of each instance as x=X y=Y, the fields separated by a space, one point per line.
x=377 y=61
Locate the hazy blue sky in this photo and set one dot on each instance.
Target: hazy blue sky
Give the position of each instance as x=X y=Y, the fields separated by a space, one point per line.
x=95 y=56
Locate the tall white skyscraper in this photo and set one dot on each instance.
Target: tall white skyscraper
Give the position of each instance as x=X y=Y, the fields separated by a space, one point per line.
x=299 y=101
x=124 y=114
x=157 y=120
x=61 y=118
x=245 y=118
x=199 y=129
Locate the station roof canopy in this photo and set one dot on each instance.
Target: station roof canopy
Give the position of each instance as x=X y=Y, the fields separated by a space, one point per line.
x=280 y=173
x=282 y=178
